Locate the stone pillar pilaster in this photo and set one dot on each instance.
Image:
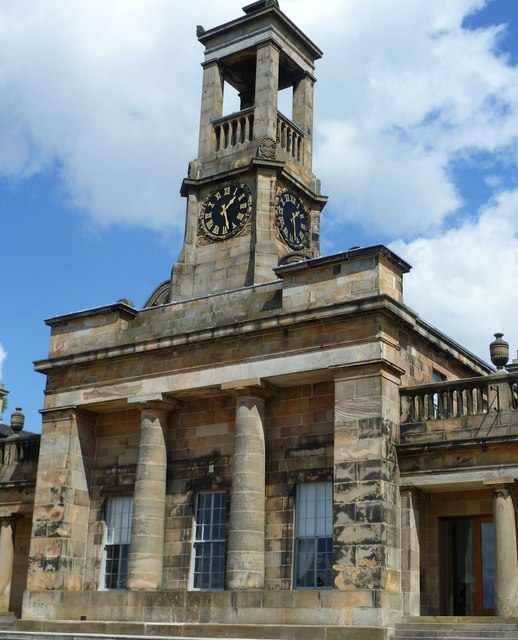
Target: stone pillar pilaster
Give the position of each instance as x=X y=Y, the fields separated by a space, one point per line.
x=266 y=91
x=6 y=561
x=145 y=561
x=303 y=114
x=61 y=502
x=410 y=552
x=245 y=549
x=211 y=105
x=506 y=557
x=367 y=523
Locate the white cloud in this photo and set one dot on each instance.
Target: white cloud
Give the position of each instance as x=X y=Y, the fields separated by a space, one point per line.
x=108 y=94
x=464 y=281
x=3 y=355
x=412 y=93
x=103 y=93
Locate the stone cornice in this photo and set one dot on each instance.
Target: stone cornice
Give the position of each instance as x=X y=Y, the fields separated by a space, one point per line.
x=269 y=322
x=412 y=449
x=123 y=311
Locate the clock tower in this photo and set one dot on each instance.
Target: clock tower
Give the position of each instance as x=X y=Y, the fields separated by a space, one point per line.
x=253 y=202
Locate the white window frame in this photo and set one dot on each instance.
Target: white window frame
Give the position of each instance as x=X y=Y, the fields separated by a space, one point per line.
x=313 y=536
x=209 y=542
x=118 y=515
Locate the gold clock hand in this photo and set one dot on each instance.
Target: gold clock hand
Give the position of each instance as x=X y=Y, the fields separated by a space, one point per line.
x=225 y=207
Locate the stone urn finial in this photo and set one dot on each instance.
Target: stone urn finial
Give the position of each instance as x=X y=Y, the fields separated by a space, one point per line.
x=17 y=420
x=499 y=351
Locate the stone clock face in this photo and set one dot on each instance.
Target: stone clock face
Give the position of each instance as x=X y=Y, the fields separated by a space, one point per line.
x=226 y=211
x=293 y=220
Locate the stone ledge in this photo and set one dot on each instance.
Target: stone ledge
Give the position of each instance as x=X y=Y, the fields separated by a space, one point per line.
x=68 y=630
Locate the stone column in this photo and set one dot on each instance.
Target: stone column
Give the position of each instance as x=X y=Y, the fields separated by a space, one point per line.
x=6 y=561
x=145 y=561
x=506 y=558
x=266 y=91
x=245 y=550
x=211 y=105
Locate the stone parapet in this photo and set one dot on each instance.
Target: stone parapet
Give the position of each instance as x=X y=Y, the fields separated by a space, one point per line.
x=105 y=612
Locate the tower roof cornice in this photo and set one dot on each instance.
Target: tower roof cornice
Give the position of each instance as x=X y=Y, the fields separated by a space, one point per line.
x=268 y=18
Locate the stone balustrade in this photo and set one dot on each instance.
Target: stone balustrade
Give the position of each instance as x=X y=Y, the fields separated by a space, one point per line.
x=290 y=137
x=458 y=398
x=19 y=450
x=236 y=129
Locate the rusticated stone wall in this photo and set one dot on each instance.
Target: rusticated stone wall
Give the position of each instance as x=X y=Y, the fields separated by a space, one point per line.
x=62 y=501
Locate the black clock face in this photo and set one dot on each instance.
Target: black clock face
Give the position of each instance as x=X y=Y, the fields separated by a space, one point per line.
x=226 y=211
x=293 y=220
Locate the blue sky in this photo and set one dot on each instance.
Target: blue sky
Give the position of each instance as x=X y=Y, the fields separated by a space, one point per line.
x=416 y=144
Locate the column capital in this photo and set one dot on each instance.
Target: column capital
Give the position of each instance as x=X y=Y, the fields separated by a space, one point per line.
x=154 y=402
x=250 y=387
x=501 y=486
x=413 y=492
x=10 y=519
x=500 y=483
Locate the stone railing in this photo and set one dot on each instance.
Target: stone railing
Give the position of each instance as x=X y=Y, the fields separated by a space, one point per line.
x=458 y=398
x=231 y=131
x=22 y=450
x=290 y=137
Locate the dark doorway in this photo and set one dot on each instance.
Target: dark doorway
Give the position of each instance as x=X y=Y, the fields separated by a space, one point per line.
x=467 y=566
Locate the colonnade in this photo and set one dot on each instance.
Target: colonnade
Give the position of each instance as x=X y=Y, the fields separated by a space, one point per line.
x=245 y=548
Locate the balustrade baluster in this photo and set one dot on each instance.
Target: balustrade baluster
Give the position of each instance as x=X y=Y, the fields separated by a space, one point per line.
x=430 y=407
x=460 y=402
x=413 y=412
x=441 y=405
x=469 y=401
x=420 y=406
x=449 y=401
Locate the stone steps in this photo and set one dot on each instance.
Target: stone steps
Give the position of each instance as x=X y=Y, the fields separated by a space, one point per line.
x=467 y=629
x=6 y=621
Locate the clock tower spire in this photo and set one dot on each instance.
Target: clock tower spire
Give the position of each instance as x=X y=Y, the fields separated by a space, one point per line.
x=252 y=199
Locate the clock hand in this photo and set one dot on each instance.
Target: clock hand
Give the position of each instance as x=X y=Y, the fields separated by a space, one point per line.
x=224 y=214
x=224 y=209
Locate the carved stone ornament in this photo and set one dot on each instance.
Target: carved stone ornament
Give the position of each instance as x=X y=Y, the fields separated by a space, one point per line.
x=267 y=149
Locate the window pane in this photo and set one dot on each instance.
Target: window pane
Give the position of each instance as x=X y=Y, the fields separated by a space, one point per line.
x=487 y=534
x=119 y=512
x=313 y=533
x=209 y=546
